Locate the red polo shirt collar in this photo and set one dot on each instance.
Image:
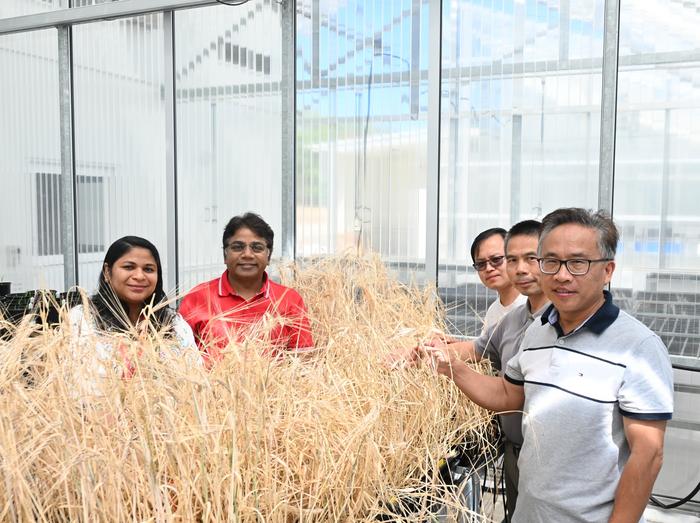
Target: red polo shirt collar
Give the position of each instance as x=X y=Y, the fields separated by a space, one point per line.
x=225 y=288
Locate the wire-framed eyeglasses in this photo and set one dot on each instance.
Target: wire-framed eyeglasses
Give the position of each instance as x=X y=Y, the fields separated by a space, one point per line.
x=238 y=247
x=575 y=266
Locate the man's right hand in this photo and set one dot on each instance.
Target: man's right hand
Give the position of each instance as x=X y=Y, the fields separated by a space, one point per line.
x=411 y=356
x=444 y=359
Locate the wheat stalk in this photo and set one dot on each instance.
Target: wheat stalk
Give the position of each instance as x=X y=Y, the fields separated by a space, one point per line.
x=334 y=436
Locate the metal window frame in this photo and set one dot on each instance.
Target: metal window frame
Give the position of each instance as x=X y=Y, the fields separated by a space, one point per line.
x=432 y=226
x=288 y=136
x=63 y=21
x=94 y=13
x=608 y=105
x=69 y=179
x=172 y=254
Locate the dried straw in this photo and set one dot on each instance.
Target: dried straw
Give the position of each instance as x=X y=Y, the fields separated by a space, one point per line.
x=334 y=436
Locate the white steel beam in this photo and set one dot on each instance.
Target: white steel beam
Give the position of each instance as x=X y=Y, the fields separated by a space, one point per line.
x=608 y=109
x=172 y=257
x=92 y=13
x=288 y=93
x=68 y=202
x=432 y=226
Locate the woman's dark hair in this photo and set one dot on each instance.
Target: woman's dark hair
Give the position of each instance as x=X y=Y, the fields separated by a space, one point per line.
x=111 y=311
x=251 y=221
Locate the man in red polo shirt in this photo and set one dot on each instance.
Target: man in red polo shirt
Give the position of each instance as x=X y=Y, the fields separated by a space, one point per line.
x=235 y=305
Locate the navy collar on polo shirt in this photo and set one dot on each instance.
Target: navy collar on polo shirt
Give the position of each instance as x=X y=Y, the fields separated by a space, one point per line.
x=597 y=323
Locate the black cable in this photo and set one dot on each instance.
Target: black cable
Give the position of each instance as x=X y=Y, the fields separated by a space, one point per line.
x=232 y=3
x=483 y=481
x=496 y=479
x=680 y=501
x=675 y=504
x=685 y=367
x=359 y=217
x=506 y=514
x=686 y=499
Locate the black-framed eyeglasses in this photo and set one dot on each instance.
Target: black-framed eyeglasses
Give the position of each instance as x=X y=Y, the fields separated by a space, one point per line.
x=238 y=247
x=575 y=266
x=494 y=261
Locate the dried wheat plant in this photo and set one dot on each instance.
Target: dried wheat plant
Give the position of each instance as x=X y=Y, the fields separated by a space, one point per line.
x=335 y=436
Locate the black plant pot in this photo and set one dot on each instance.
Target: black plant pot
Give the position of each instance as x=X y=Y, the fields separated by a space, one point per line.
x=5 y=288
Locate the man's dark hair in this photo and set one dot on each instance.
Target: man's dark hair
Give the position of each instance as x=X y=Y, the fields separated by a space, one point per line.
x=485 y=235
x=524 y=228
x=253 y=222
x=600 y=221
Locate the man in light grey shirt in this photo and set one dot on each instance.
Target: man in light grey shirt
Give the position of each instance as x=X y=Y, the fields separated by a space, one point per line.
x=501 y=341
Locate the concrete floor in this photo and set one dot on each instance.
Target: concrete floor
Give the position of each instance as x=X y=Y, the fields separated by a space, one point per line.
x=493 y=512
x=656 y=515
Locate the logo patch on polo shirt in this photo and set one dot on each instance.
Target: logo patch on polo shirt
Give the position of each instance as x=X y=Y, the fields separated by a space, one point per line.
x=573 y=372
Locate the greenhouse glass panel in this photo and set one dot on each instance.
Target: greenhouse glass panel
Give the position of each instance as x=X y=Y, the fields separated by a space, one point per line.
x=657 y=184
x=520 y=127
x=118 y=69
x=656 y=170
x=229 y=120
x=12 y=8
x=31 y=202
x=362 y=129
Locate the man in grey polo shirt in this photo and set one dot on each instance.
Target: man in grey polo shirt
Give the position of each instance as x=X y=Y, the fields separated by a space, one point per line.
x=500 y=342
x=595 y=384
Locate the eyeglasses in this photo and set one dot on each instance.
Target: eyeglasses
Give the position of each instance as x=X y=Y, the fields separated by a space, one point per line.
x=238 y=247
x=575 y=266
x=494 y=261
